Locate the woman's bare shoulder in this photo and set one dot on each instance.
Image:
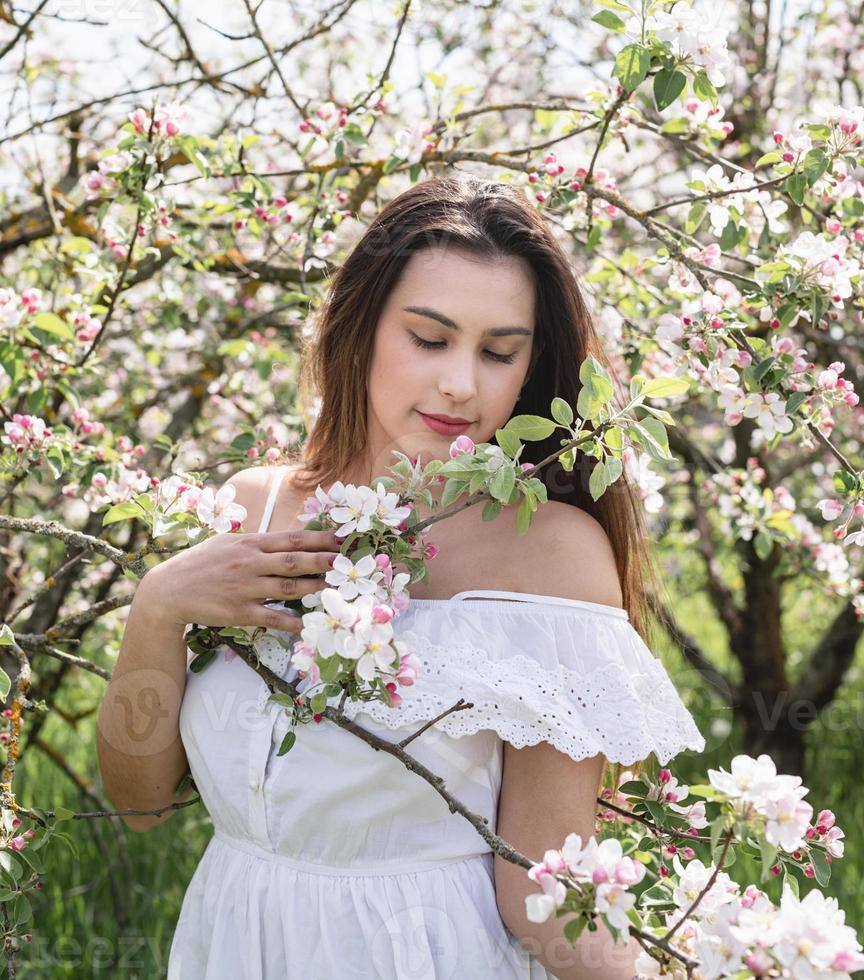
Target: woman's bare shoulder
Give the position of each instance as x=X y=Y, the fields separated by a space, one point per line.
x=252 y=486
x=566 y=552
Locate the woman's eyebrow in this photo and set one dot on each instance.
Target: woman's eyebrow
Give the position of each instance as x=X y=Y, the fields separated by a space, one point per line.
x=442 y=318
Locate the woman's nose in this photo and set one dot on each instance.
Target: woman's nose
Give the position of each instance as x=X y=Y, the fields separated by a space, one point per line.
x=458 y=381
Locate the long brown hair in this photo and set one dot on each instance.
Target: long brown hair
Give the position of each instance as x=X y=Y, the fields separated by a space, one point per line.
x=491 y=220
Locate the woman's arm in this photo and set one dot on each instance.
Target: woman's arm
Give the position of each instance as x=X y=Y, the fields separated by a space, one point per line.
x=546 y=795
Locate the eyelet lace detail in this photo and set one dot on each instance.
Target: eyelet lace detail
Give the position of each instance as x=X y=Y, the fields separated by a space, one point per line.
x=623 y=712
x=275 y=654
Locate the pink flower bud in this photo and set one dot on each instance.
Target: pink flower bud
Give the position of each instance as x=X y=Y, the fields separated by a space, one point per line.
x=825 y=821
x=395 y=697
x=461 y=445
x=382 y=614
x=406 y=676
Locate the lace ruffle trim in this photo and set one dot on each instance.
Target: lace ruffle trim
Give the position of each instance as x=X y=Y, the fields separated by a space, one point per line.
x=624 y=712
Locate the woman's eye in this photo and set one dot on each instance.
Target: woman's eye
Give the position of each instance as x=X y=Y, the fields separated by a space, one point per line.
x=437 y=345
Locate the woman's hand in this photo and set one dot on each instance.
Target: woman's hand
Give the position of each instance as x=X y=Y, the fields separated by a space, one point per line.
x=224 y=580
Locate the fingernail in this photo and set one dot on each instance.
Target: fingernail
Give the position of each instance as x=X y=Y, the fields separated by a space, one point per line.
x=332 y=559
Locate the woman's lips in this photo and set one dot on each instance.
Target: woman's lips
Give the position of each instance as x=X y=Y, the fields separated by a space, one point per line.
x=444 y=428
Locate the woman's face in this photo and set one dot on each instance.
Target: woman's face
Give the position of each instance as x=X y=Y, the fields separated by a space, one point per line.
x=479 y=315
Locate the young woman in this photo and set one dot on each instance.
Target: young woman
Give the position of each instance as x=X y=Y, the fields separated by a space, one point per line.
x=334 y=861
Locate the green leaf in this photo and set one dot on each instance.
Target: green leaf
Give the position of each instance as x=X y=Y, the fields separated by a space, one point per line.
x=61 y=813
x=531 y=428
x=705 y=790
x=605 y=18
x=815 y=164
x=791 y=881
x=592 y=372
x=287 y=742
x=614 y=468
x=286 y=700
x=508 y=441
x=773 y=156
x=763 y=545
x=121 y=512
x=597 y=482
x=634 y=787
x=29 y=857
x=491 y=509
x=657 y=812
x=614 y=439
x=795 y=185
x=21 y=910
x=502 y=483
x=189 y=148
x=843 y=480
x=659 y=413
x=53 y=324
x=676 y=125
x=452 y=491
x=614 y=5
x=10 y=865
x=587 y=404
x=694 y=216
x=668 y=85
x=562 y=412
x=760 y=369
x=77 y=244
x=631 y=66
x=665 y=387
x=768 y=854
x=523 y=516
x=573 y=928
x=477 y=480
x=717 y=827
x=729 y=236
x=329 y=669
x=820 y=866
x=703 y=88
x=650 y=433
x=202 y=661
x=5 y=684
x=319 y=701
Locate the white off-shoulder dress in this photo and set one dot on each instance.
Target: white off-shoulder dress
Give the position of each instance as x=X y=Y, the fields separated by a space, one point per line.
x=333 y=862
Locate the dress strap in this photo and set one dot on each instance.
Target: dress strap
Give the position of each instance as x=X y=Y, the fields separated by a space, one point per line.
x=275 y=482
x=554 y=600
